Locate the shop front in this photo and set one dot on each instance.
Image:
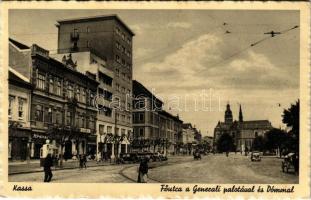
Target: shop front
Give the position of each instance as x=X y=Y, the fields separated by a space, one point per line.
x=38 y=139
x=18 y=144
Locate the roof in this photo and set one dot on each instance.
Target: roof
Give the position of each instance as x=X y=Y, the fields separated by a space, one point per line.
x=186 y=125
x=223 y=126
x=255 y=124
x=167 y=114
x=18 y=44
x=139 y=90
x=96 y=18
x=17 y=80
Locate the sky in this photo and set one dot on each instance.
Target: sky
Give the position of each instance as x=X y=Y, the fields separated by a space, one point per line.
x=186 y=58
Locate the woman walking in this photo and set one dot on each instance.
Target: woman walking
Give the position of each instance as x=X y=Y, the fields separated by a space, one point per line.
x=143 y=171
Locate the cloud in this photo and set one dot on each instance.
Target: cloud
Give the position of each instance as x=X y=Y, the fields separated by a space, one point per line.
x=183 y=25
x=192 y=67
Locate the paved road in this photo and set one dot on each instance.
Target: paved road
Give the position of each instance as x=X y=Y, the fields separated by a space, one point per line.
x=211 y=169
x=221 y=169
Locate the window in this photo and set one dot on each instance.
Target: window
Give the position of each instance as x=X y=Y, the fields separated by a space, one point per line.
x=123 y=75
x=92 y=123
x=70 y=91
x=51 y=85
x=88 y=29
x=101 y=129
x=123 y=36
x=123 y=49
x=141 y=132
x=122 y=131
x=87 y=44
x=83 y=98
x=129 y=119
x=117 y=131
x=117 y=87
x=11 y=102
x=78 y=94
x=92 y=99
x=141 y=117
x=118 y=116
x=41 y=81
x=123 y=89
x=20 y=108
x=82 y=121
x=117 y=72
x=68 y=119
x=123 y=118
x=109 y=129
x=118 y=60
x=39 y=113
x=123 y=62
x=118 y=31
x=118 y=45
x=58 y=88
x=128 y=40
x=58 y=117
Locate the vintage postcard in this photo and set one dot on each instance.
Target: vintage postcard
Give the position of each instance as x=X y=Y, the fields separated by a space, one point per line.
x=105 y=99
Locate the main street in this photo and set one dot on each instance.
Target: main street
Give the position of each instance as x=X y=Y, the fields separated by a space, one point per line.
x=178 y=169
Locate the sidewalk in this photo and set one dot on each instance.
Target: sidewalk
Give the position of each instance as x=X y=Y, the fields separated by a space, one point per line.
x=34 y=166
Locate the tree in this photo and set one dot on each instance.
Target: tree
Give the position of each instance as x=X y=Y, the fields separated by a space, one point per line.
x=276 y=139
x=225 y=143
x=259 y=143
x=291 y=119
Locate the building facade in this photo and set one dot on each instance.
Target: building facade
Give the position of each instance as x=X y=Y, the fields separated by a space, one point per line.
x=155 y=130
x=62 y=104
x=18 y=114
x=242 y=132
x=110 y=39
x=187 y=139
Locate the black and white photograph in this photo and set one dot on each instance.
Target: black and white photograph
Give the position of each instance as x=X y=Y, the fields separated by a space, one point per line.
x=154 y=96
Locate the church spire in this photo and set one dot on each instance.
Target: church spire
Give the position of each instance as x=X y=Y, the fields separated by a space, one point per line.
x=228 y=115
x=240 y=114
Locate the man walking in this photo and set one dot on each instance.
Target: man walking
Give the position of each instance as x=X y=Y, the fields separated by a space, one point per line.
x=48 y=163
x=143 y=171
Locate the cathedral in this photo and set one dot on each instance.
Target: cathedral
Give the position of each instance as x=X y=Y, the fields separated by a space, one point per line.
x=242 y=132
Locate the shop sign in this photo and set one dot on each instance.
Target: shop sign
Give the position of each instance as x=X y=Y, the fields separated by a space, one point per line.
x=85 y=130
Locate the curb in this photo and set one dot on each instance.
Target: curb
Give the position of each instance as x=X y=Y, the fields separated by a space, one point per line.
x=57 y=169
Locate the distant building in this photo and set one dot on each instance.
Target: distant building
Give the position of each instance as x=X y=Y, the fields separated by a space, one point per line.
x=110 y=39
x=154 y=129
x=242 y=132
x=209 y=140
x=187 y=139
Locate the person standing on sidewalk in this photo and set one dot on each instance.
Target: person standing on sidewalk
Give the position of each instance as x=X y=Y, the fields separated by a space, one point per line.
x=84 y=158
x=143 y=171
x=48 y=163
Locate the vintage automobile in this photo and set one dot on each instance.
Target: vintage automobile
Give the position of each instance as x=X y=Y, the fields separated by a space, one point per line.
x=289 y=162
x=255 y=156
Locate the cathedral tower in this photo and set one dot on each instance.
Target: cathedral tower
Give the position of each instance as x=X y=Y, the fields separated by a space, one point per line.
x=240 y=114
x=228 y=115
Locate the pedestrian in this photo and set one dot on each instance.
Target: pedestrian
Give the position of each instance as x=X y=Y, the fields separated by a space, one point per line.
x=143 y=171
x=227 y=153
x=48 y=163
x=84 y=161
x=80 y=161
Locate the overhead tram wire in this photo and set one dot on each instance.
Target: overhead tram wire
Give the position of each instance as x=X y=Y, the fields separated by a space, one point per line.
x=250 y=46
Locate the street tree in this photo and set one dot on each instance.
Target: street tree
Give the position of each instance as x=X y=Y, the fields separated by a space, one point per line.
x=258 y=143
x=225 y=143
x=291 y=119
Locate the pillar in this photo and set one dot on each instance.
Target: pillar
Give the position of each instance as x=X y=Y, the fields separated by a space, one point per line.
x=126 y=145
x=73 y=147
x=119 y=149
x=112 y=151
x=32 y=150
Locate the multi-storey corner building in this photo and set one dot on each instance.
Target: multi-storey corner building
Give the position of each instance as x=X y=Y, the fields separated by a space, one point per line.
x=155 y=130
x=110 y=39
x=146 y=117
x=62 y=102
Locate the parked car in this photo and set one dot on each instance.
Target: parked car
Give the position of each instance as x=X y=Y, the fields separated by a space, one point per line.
x=289 y=162
x=255 y=156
